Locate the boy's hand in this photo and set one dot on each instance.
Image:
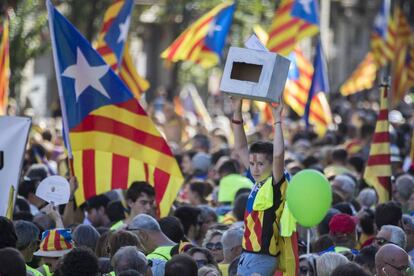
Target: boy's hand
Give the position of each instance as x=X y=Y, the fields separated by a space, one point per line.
x=277 y=109
x=236 y=104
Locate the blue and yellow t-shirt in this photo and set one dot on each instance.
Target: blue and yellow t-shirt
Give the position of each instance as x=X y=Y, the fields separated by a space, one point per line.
x=262 y=217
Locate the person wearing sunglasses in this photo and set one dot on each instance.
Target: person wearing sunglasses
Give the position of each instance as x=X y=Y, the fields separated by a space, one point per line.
x=391 y=234
x=213 y=243
x=392 y=260
x=202 y=257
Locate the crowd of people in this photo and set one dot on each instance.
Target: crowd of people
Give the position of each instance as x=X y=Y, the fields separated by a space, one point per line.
x=226 y=219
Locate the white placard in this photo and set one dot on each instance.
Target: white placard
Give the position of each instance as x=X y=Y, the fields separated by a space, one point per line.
x=13 y=137
x=54 y=189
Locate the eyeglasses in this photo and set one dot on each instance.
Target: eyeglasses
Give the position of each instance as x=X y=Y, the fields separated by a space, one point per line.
x=201 y=263
x=214 y=246
x=404 y=270
x=382 y=241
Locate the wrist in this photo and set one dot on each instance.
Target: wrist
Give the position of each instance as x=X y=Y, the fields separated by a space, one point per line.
x=236 y=121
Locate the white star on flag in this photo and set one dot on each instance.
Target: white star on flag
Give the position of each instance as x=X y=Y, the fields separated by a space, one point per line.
x=86 y=75
x=306 y=5
x=123 y=29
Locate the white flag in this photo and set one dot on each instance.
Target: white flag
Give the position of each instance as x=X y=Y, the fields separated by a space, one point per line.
x=13 y=139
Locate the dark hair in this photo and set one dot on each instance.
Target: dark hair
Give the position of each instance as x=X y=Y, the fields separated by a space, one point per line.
x=8 y=237
x=343 y=207
x=366 y=257
x=47 y=135
x=366 y=221
x=122 y=238
x=229 y=167
x=21 y=205
x=27 y=186
x=182 y=265
x=37 y=171
x=322 y=243
x=97 y=202
x=201 y=141
x=339 y=154
x=206 y=252
x=388 y=213
x=137 y=188
x=367 y=130
x=263 y=147
x=323 y=226
x=80 y=261
x=357 y=162
x=188 y=216
x=349 y=269
x=14 y=260
x=172 y=228
x=240 y=206
x=115 y=211
x=102 y=245
x=202 y=189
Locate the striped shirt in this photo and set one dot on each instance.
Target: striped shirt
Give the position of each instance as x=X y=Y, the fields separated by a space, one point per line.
x=262 y=226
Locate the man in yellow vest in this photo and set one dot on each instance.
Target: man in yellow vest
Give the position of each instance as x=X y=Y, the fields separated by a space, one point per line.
x=27 y=242
x=266 y=201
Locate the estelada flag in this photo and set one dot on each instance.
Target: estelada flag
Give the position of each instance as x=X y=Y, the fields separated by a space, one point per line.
x=111 y=138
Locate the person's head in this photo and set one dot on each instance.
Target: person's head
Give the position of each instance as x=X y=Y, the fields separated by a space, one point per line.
x=228 y=167
x=391 y=260
x=198 y=191
x=327 y=263
x=189 y=218
x=261 y=160
x=12 y=262
x=307 y=265
x=129 y=257
x=115 y=211
x=232 y=244
x=186 y=164
x=140 y=198
x=172 y=228
x=206 y=219
x=240 y=206
x=202 y=256
x=80 y=261
x=367 y=198
x=342 y=230
x=404 y=186
x=213 y=243
x=349 y=269
x=27 y=238
x=102 y=248
x=366 y=258
x=408 y=227
x=148 y=232
x=50 y=252
x=339 y=156
x=182 y=265
x=8 y=237
x=323 y=226
x=391 y=234
x=27 y=189
x=209 y=270
x=44 y=222
x=96 y=210
x=388 y=213
x=201 y=163
x=120 y=239
x=345 y=186
x=37 y=172
x=322 y=243
x=366 y=221
x=201 y=143
x=85 y=235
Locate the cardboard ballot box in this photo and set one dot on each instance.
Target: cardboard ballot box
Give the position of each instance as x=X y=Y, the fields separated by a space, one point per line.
x=254 y=74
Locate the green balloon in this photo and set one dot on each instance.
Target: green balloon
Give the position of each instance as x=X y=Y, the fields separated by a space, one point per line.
x=309 y=197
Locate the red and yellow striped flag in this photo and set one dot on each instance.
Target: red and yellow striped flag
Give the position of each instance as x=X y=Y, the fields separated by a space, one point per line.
x=362 y=78
x=378 y=169
x=400 y=69
x=297 y=91
x=293 y=21
x=203 y=41
x=4 y=66
x=119 y=58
